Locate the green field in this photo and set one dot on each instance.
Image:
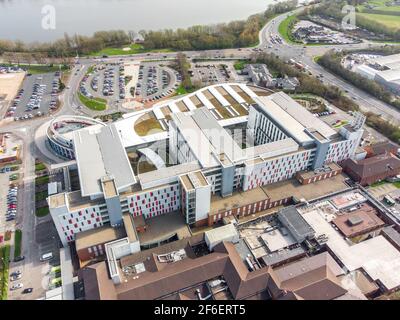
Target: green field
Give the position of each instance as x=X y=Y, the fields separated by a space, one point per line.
x=387 y=20
x=378 y=5
x=96 y=104
x=134 y=49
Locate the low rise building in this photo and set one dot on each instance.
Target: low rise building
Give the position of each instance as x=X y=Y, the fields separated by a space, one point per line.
x=373 y=169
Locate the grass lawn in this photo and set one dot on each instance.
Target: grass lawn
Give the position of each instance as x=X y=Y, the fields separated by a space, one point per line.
x=90 y=69
x=38 y=69
x=4 y=271
x=96 y=104
x=39 y=166
x=397 y=184
x=42 y=212
x=285 y=30
x=379 y=5
x=182 y=90
x=41 y=195
x=17 y=243
x=387 y=20
x=379 y=183
x=239 y=65
x=134 y=49
x=42 y=180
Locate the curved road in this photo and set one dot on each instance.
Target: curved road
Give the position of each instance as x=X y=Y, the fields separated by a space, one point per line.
x=306 y=56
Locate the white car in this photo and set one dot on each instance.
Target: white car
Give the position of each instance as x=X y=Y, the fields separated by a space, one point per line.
x=17 y=286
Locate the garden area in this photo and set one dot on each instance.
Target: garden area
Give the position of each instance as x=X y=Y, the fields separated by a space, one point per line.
x=147 y=124
x=41 y=193
x=97 y=104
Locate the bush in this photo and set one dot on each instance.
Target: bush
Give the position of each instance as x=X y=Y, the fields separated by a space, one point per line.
x=42 y=212
x=39 y=166
x=4 y=271
x=42 y=180
x=17 y=243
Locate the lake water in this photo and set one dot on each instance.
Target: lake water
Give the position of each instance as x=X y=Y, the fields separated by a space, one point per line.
x=23 y=19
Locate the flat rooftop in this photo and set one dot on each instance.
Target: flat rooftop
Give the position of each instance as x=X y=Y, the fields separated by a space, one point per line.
x=130 y=227
x=98 y=236
x=109 y=189
x=272 y=149
x=236 y=200
x=167 y=173
x=76 y=201
x=368 y=221
x=217 y=135
x=278 y=239
x=292 y=117
x=99 y=154
x=193 y=180
x=195 y=138
x=164 y=227
x=327 y=168
x=289 y=188
x=57 y=200
x=142 y=256
x=376 y=256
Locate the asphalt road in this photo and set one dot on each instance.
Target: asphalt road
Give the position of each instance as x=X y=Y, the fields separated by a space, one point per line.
x=306 y=56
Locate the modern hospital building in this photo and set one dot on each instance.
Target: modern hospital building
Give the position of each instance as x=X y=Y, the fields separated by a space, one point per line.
x=199 y=163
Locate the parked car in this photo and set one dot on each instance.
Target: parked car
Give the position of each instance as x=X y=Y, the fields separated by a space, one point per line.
x=17 y=286
x=27 y=290
x=20 y=258
x=16 y=277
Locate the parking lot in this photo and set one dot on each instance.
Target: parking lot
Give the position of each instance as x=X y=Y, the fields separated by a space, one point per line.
x=37 y=96
x=156 y=81
x=106 y=81
x=209 y=73
x=4 y=225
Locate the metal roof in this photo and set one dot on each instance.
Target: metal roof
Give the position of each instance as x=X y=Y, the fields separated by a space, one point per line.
x=217 y=135
x=292 y=117
x=100 y=154
x=297 y=225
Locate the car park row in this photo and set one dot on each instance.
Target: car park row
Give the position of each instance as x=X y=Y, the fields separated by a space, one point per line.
x=153 y=83
x=34 y=104
x=12 y=203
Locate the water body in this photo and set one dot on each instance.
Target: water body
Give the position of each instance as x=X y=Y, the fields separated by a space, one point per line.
x=23 y=19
